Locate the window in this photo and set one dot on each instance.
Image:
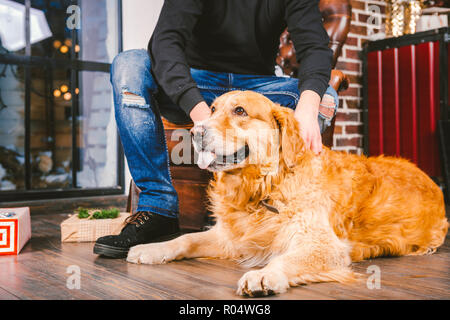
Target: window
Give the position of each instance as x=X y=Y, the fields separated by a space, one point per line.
x=58 y=136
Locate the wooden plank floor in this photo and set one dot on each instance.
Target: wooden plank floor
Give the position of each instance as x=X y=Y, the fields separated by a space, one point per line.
x=40 y=272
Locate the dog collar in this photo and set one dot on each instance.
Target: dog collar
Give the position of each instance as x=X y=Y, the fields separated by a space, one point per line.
x=268 y=206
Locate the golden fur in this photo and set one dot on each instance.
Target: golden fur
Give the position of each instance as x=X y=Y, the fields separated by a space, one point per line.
x=333 y=208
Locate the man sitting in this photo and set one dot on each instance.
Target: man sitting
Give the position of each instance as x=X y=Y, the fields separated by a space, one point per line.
x=201 y=49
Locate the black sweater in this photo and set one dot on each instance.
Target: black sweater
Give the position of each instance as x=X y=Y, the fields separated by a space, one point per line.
x=237 y=36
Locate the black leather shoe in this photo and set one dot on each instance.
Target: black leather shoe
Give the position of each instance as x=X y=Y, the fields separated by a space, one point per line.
x=142 y=227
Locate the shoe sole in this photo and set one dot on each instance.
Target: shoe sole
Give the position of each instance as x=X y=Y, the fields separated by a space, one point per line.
x=120 y=253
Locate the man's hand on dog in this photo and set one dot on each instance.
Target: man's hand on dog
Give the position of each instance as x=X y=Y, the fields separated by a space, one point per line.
x=200 y=112
x=306 y=114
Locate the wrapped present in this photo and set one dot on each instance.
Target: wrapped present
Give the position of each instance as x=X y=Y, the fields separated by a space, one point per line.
x=76 y=229
x=15 y=230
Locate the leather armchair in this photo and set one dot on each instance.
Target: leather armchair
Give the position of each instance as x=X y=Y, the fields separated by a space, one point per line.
x=189 y=181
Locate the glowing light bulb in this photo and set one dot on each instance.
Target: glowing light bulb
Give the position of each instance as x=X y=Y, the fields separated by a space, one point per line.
x=68 y=42
x=64 y=49
x=77 y=91
x=64 y=88
x=57 y=93
x=77 y=48
x=57 y=44
x=67 y=96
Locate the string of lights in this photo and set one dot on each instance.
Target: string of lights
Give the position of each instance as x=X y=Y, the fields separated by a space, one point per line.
x=63 y=91
x=402 y=16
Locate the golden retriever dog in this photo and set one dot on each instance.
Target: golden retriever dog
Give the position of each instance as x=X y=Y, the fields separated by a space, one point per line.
x=301 y=217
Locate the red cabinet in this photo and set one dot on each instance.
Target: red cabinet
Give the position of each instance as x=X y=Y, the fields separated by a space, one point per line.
x=405 y=94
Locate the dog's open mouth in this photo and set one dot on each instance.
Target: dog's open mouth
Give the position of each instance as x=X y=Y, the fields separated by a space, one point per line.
x=213 y=161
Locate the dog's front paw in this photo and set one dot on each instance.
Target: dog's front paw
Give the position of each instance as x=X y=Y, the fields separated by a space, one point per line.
x=153 y=253
x=262 y=283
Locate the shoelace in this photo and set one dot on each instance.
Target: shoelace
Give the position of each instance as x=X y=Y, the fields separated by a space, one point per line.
x=137 y=218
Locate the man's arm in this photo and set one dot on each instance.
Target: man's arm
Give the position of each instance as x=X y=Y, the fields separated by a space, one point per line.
x=310 y=40
x=169 y=64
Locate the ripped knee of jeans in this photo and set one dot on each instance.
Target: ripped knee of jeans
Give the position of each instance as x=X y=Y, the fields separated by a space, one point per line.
x=130 y=99
x=327 y=107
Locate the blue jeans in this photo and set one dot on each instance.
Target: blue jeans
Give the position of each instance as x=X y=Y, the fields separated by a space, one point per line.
x=140 y=126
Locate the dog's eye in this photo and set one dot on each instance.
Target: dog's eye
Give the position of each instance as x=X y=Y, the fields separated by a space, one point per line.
x=239 y=111
x=213 y=109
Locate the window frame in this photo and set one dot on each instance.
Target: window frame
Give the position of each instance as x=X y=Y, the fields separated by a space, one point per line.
x=74 y=65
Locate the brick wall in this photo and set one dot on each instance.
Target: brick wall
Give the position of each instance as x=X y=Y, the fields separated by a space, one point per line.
x=367 y=20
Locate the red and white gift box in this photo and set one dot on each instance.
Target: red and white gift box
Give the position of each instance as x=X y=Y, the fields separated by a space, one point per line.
x=15 y=230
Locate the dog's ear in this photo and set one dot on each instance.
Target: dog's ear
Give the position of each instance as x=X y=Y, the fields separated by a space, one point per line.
x=291 y=144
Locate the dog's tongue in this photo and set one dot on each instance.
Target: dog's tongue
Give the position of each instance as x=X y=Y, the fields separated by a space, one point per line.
x=204 y=159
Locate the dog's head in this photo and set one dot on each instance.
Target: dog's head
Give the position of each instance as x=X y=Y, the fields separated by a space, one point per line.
x=247 y=129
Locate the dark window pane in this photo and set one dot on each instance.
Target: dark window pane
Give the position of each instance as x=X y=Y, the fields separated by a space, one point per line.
x=51 y=129
x=97 y=34
x=12 y=129
x=53 y=38
x=97 y=132
x=57 y=94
